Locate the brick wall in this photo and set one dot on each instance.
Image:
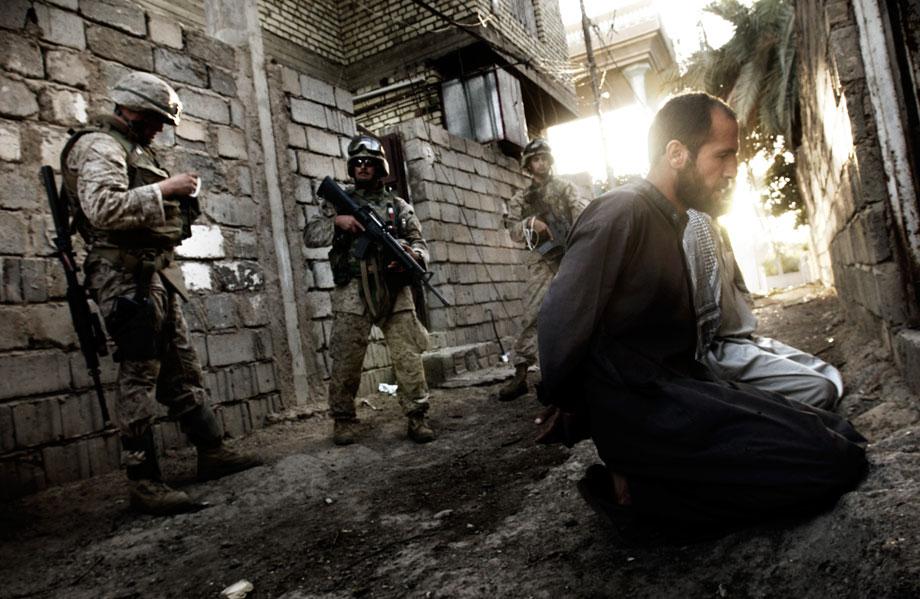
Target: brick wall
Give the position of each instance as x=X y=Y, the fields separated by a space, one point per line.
x=459 y=189
x=54 y=71
x=312 y=24
x=841 y=171
x=421 y=98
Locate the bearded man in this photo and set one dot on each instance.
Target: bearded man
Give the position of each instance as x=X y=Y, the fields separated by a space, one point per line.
x=617 y=338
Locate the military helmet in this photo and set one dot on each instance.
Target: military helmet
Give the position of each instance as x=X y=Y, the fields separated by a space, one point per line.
x=146 y=92
x=535 y=148
x=367 y=146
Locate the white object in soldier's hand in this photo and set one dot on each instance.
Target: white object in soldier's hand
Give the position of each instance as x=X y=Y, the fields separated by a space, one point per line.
x=194 y=194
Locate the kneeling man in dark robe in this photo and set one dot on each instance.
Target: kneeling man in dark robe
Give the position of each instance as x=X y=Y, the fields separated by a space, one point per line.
x=617 y=338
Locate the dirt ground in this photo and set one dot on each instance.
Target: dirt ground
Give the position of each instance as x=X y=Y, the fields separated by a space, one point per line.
x=481 y=512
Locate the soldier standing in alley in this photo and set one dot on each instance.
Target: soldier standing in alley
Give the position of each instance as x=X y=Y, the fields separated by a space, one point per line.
x=540 y=216
x=372 y=291
x=132 y=214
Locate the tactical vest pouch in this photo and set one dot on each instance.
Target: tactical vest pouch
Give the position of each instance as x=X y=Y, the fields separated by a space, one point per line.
x=132 y=325
x=340 y=258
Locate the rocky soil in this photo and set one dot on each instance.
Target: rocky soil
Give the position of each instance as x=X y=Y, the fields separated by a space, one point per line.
x=481 y=512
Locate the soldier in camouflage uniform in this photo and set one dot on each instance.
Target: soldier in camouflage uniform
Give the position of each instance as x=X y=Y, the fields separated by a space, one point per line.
x=132 y=213
x=540 y=216
x=370 y=292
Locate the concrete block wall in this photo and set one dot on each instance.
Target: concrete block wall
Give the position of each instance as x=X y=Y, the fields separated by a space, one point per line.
x=57 y=61
x=841 y=171
x=315 y=127
x=459 y=188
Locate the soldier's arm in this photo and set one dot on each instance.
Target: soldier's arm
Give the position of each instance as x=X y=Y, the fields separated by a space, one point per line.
x=102 y=187
x=514 y=220
x=412 y=231
x=320 y=228
x=576 y=201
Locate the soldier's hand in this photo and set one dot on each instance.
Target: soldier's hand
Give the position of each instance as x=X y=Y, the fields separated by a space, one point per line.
x=396 y=266
x=540 y=228
x=183 y=184
x=348 y=223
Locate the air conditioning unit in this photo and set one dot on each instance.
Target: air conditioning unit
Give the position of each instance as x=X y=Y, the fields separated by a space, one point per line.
x=486 y=107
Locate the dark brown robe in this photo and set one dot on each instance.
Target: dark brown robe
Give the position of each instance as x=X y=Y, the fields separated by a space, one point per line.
x=617 y=334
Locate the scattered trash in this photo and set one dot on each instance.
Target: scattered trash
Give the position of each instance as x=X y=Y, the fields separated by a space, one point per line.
x=388 y=389
x=443 y=514
x=329 y=500
x=630 y=559
x=290 y=415
x=237 y=590
x=365 y=402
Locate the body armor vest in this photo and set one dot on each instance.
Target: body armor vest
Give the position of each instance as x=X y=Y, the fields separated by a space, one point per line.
x=143 y=169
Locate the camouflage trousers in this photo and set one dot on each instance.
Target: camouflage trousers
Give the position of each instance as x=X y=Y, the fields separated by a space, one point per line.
x=173 y=378
x=540 y=274
x=406 y=339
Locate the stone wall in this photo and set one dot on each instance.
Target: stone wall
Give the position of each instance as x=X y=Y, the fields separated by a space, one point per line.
x=459 y=188
x=855 y=191
x=313 y=24
x=841 y=172
x=56 y=62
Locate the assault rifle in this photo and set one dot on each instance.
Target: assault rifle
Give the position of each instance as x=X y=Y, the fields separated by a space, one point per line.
x=375 y=232
x=558 y=228
x=85 y=321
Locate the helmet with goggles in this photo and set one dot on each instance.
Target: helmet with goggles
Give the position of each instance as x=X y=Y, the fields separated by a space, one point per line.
x=537 y=147
x=367 y=148
x=143 y=92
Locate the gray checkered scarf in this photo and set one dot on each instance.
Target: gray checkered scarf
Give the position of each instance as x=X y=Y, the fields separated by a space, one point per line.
x=700 y=249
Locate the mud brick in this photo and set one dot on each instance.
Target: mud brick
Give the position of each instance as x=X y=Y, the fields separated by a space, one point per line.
x=36 y=422
x=344 y=100
x=20 y=55
x=210 y=51
x=308 y=113
x=66 y=463
x=265 y=350
x=242 y=385
x=290 y=81
x=60 y=27
x=209 y=107
x=16 y=99
x=314 y=165
x=264 y=375
x=166 y=32
x=79 y=415
x=232 y=348
x=222 y=82
x=230 y=210
x=108 y=369
x=63 y=107
x=321 y=142
x=231 y=143
x=71 y=68
x=180 y=67
x=104 y=454
x=114 y=45
x=259 y=408
x=10 y=281
x=232 y=418
x=316 y=90
x=322 y=275
x=320 y=302
x=34 y=280
x=17 y=371
x=123 y=16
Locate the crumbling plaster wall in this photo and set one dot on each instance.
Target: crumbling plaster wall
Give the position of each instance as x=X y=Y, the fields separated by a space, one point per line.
x=843 y=175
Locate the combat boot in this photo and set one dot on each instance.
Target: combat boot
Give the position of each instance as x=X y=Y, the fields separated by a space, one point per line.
x=344 y=432
x=216 y=462
x=516 y=387
x=159 y=499
x=419 y=429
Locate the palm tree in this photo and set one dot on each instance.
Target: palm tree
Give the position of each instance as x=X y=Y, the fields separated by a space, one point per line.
x=755 y=72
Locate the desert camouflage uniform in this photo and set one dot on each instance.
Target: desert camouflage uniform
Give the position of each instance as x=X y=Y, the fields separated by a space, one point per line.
x=565 y=201
x=357 y=306
x=118 y=210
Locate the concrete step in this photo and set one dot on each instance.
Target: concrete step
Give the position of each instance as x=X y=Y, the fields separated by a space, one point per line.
x=459 y=361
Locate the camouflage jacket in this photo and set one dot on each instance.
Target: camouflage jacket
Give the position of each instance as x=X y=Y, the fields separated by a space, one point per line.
x=564 y=200
x=360 y=296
